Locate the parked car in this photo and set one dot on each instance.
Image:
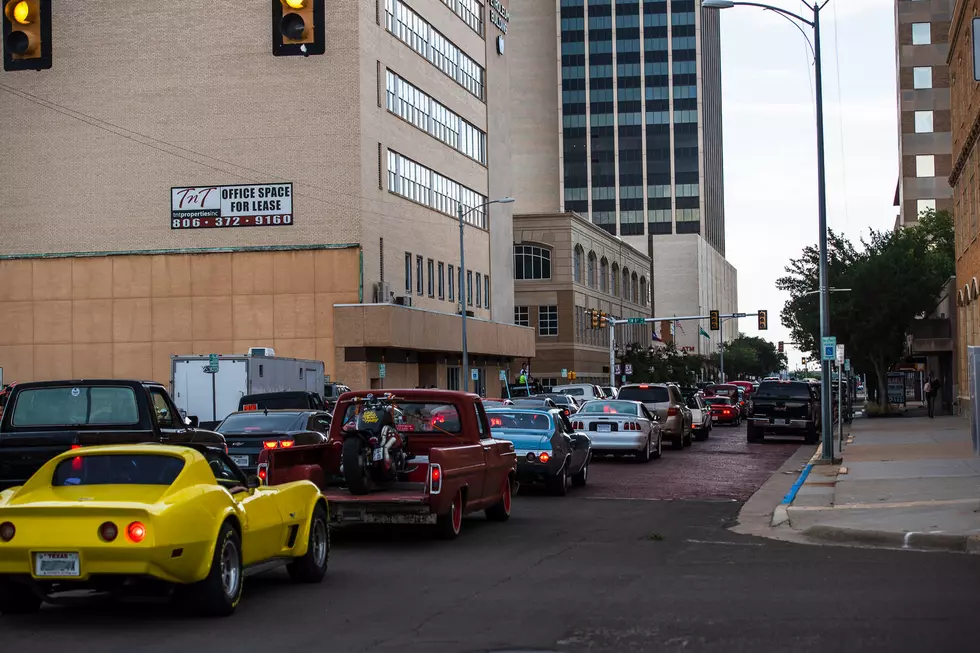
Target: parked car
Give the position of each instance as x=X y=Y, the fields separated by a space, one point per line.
x=549 y=450
x=149 y=511
x=700 y=415
x=586 y=391
x=249 y=432
x=666 y=402
x=620 y=427
x=785 y=408
x=723 y=411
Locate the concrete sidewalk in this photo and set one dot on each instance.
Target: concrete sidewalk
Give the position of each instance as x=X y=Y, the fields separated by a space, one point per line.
x=909 y=482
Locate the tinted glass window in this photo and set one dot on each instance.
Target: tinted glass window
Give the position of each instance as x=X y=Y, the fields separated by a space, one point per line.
x=75 y=405
x=611 y=407
x=161 y=410
x=524 y=421
x=117 y=470
x=782 y=391
x=650 y=394
x=259 y=423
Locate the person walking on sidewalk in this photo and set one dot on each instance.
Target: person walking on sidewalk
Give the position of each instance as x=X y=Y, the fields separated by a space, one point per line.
x=932 y=389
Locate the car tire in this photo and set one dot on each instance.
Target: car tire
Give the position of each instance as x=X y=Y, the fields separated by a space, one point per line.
x=580 y=479
x=18 y=598
x=218 y=594
x=356 y=472
x=659 y=451
x=312 y=567
x=754 y=434
x=449 y=525
x=558 y=485
x=677 y=443
x=644 y=455
x=689 y=438
x=500 y=511
x=700 y=435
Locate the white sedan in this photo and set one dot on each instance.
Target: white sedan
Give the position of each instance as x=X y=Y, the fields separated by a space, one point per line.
x=620 y=427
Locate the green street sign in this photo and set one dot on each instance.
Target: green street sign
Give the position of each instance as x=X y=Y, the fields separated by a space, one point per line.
x=636 y=320
x=381 y=371
x=213 y=363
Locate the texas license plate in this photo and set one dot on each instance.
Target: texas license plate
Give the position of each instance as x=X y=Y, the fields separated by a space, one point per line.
x=714 y=418
x=60 y=565
x=241 y=461
x=603 y=428
x=378 y=454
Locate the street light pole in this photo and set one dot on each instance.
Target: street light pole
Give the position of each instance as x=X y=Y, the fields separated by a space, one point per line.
x=462 y=278
x=826 y=410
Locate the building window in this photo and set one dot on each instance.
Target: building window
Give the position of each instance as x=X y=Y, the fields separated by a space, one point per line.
x=452 y=378
x=643 y=291
x=922 y=77
x=577 y=270
x=626 y=284
x=522 y=316
x=470 y=11
x=469 y=287
x=591 y=269
x=486 y=291
x=924 y=205
x=532 y=262
x=925 y=165
x=923 y=122
x=921 y=33
x=479 y=290
x=442 y=280
x=604 y=275
x=408 y=273
x=547 y=320
x=635 y=289
x=420 y=184
x=418 y=275
x=452 y=284
x=431 y=269
x=614 y=280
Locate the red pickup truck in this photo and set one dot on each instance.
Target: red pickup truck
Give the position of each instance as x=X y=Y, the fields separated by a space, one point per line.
x=458 y=467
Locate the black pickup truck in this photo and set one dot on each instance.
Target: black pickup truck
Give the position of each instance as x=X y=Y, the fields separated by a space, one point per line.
x=45 y=418
x=784 y=408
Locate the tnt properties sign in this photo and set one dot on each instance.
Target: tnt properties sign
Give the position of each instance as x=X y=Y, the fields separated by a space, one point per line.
x=248 y=205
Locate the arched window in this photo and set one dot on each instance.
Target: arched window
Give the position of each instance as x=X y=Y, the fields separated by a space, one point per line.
x=532 y=262
x=591 y=269
x=643 y=291
x=577 y=271
x=635 y=289
x=626 y=284
x=604 y=275
x=615 y=280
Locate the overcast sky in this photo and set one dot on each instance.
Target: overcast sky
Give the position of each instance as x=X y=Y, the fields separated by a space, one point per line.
x=770 y=139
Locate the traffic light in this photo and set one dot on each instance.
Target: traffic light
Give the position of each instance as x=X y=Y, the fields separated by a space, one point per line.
x=763 y=320
x=571 y=376
x=298 y=28
x=603 y=320
x=715 y=320
x=595 y=318
x=780 y=346
x=26 y=34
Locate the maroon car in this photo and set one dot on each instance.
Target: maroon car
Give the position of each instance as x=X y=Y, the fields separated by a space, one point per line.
x=723 y=411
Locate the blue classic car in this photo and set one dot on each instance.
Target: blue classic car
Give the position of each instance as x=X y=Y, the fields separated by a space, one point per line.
x=549 y=450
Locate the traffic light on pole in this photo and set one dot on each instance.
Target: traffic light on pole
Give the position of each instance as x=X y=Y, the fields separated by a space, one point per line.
x=603 y=320
x=595 y=318
x=715 y=320
x=26 y=34
x=298 y=28
x=780 y=346
x=763 y=320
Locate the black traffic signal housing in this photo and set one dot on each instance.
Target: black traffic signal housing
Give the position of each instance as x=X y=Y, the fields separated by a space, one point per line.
x=715 y=319
x=298 y=28
x=603 y=320
x=780 y=346
x=763 y=320
x=26 y=34
x=594 y=314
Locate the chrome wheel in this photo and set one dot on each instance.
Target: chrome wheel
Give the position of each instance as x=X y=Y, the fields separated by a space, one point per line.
x=319 y=543
x=231 y=572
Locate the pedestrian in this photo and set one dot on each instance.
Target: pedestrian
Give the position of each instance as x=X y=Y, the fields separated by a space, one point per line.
x=935 y=385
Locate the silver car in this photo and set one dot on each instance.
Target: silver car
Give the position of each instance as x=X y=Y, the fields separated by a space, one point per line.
x=665 y=401
x=620 y=427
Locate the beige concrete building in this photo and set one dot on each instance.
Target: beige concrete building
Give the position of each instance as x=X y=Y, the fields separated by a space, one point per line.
x=564 y=266
x=925 y=135
x=348 y=167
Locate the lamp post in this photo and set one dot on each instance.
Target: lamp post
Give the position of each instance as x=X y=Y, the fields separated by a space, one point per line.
x=826 y=412
x=461 y=213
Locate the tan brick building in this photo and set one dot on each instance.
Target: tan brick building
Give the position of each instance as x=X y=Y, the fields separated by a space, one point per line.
x=377 y=141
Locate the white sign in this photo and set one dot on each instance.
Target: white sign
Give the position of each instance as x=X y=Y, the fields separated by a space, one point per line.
x=617 y=370
x=475 y=374
x=248 y=205
x=828 y=348
x=503 y=375
x=840 y=354
x=564 y=373
x=629 y=369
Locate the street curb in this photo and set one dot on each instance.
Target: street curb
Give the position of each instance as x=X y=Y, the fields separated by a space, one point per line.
x=895 y=540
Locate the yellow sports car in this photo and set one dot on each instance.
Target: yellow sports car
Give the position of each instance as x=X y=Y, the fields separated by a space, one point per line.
x=128 y=519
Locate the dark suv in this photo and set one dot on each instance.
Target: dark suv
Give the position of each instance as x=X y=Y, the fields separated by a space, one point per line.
x=784 y=408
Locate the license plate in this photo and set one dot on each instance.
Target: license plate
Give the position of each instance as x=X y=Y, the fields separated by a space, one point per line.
x=60 y=565
x=784 y=422
x=378 y=454
x=603 y=428
x=241 y=461
x=714 y=418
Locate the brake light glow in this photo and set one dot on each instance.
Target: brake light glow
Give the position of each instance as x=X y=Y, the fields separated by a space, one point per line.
x=76 y=446
x=544 y=457
x=270 y=444
x=644 y=386
x=136 y=532
x=435 y=478
x=286 y=444
x=263 y=472
x=250 y=407
x=496 y=421
x=108 y=531
x=7 y=531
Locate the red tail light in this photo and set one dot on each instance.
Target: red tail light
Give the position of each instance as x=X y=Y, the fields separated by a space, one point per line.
x=263 y=472
x=286 y=444
x=136 y=532
x=108 y=531
x=435 y=479
x=7 y=531
x=544 y=457
x=270 y=444
x=672 y=411
x=76 y=446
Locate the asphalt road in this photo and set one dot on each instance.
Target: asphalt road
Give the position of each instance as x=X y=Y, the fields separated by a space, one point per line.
x=581 y=574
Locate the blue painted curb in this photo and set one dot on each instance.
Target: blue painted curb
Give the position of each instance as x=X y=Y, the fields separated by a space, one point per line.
x=796 y=486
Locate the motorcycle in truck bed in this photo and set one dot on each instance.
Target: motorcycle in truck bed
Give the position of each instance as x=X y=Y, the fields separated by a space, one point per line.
x=430 y=452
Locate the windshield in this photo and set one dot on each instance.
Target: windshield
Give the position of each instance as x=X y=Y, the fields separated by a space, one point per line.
x=523 y=421
x=692 y=401
x=116 y=469
x=782 y=391
x=257 y=422
x=419 y=417
x=612 y=407
x=718 y=401
x=653 y=394
x=70 y=406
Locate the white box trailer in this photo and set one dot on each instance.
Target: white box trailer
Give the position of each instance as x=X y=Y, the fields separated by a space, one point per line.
x=213 y=396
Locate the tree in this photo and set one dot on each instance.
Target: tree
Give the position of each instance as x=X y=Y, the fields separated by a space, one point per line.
x=747 y=356
x=896 y=276
x=662 y=364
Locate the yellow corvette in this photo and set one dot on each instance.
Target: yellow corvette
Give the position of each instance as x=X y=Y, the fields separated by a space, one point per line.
x=128 y=519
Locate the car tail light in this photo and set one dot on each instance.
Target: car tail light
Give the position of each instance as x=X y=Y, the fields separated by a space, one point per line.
x=263 y=472
x=270 y=444
x=76 y=446
x=672 y=411
x=7 y=531
x=531 y=457
x=373 y=442
x=136 y=532
x=286 y=444
x=435 y=478
x=544 y=457
x=108 y=531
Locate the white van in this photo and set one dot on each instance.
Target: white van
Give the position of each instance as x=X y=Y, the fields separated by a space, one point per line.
x=586 y=391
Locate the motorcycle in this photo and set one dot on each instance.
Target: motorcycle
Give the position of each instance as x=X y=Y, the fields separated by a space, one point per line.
x=375 y=452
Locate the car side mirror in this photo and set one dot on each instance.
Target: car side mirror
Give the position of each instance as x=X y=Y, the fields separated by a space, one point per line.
x=192 y=421
x=253 y=482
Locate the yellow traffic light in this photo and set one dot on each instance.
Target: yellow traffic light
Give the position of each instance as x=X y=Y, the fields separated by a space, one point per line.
x=26 y=34
x=595 y=318
x=571 y=375
x=715 y=320
x=299 y=27
x=603 y=320
x=763 y=320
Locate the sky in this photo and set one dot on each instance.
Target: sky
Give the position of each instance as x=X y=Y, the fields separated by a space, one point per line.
x=770 y=139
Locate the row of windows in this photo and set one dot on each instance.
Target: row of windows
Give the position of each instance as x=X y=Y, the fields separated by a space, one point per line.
x=547 y=319
x=532 y=262
x=633 y=286
x=429 y=115
x=631 y=192
x=430 y=278
x=416 y=32
x=420 y=184
x=471 y=11
x=684 y=42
